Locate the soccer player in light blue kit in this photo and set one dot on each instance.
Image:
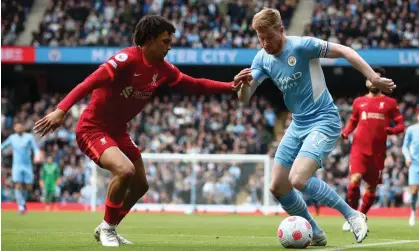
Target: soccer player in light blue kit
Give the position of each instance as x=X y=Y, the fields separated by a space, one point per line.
x=22 y=171
x=293 y=65
x=411 y=155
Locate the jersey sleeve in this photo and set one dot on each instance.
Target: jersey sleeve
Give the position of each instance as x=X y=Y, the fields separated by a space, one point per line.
x=313 y=47
x=258 y=73
x=6 y=143
x=119 y=63
x=354 y=119
x=397 y=117
x=174 y=74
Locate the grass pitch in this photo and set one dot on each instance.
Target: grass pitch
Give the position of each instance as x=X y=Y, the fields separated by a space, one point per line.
x=55 y=231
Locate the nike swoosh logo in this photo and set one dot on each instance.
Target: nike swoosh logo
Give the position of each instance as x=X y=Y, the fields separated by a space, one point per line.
x=136 y=75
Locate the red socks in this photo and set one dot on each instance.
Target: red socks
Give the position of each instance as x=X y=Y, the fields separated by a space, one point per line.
x=367 y=200
x=353 y=196
x=112 y=212
x=122 y=214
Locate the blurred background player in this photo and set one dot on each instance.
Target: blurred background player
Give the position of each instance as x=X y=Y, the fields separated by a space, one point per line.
x=22 y=170
x=293 y=64
x=372 y=116
x=50 y=177
x=121 y=88
x=411 y=155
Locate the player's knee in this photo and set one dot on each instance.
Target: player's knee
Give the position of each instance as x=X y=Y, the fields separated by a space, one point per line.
x=18 y=186
x=371 y=189
x=144 y=188
x=356 y=178
x=126 y=171
x=298 y=182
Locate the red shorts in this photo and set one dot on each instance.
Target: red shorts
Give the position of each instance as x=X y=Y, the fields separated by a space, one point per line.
x=369 y=166
x=94 y=142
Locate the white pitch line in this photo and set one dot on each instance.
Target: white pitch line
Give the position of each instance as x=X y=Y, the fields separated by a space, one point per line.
x=368 y=245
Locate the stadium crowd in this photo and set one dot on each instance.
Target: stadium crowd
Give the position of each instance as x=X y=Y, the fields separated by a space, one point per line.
x=199 y=24
x=13 y=16
x=366 y=24
x=196 y=124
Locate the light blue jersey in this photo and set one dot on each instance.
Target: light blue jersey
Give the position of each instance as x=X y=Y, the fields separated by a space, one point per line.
x=22 y=162
x=411 y=151
x=298 y=74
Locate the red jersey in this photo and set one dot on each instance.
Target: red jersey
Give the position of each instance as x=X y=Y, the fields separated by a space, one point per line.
x=124 y=84
x=371 y=116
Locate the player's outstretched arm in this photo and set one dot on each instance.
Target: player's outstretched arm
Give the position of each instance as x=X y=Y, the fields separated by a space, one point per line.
x=55 y=119
x=35 y=149
x=397 y=117
x=341 y=51
x=353 y=121
x=206 y=86
x=406 y=144
x=6 y=143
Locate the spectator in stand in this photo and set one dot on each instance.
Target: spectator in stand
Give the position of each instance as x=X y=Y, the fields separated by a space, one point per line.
x=366 y=24
x=199 y=24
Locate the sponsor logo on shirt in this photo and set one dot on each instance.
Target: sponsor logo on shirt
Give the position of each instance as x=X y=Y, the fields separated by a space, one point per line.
x=289 y=81
x=372 y=115
x=128 y=92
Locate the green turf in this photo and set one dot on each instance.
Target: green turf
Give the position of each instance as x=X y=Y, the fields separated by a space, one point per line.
x=74 y=231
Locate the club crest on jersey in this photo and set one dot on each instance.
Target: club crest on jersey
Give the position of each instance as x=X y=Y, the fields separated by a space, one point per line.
x=381 y=105
x=292 y=60
x=121 y=57
x=363 y=116
x=154 y=79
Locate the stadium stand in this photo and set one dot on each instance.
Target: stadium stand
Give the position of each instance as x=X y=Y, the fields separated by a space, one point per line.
x=199 y=24
x=13 y=16
x=366 y=24
x=196 y=124
x=190 y=125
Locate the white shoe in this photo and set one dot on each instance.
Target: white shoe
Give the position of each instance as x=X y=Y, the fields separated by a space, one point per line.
x=121 y=239
x=319 y=239
x=412 y=219
x=108 y=236
x=346 y=227
x=359 y=226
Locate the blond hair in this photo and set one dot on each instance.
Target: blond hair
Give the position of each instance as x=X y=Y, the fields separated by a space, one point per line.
x=266 y=18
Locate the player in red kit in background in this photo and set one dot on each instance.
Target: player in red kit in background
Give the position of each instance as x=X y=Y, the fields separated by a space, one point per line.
x=121 y=87
x=372 y=115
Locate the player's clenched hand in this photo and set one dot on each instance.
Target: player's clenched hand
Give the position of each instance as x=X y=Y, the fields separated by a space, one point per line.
x=408 y=162
x=50 y=122
x=344 y=136
x=389 y=130
x=384 y=84
x=243 y=77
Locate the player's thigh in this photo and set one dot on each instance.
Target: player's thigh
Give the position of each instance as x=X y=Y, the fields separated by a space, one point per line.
x=317 y=146
x=17 y=176
x=280 y=184
x=413 y=175
x=288 y=149
x=103 y=150
x=358 y=166
x=114 y=160
x=374 y=168
x=28 y=177
x=129 y=148
x=413 y=189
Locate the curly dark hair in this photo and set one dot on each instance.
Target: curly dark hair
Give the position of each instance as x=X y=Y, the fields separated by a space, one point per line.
x=150 y=27
x=380 y=70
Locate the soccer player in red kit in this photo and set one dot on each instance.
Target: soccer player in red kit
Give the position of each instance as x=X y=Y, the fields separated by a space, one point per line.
x=121 y=87
x=371 y=116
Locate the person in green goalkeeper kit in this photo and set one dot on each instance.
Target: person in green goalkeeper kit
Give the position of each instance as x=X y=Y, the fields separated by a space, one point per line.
x=50 y=177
